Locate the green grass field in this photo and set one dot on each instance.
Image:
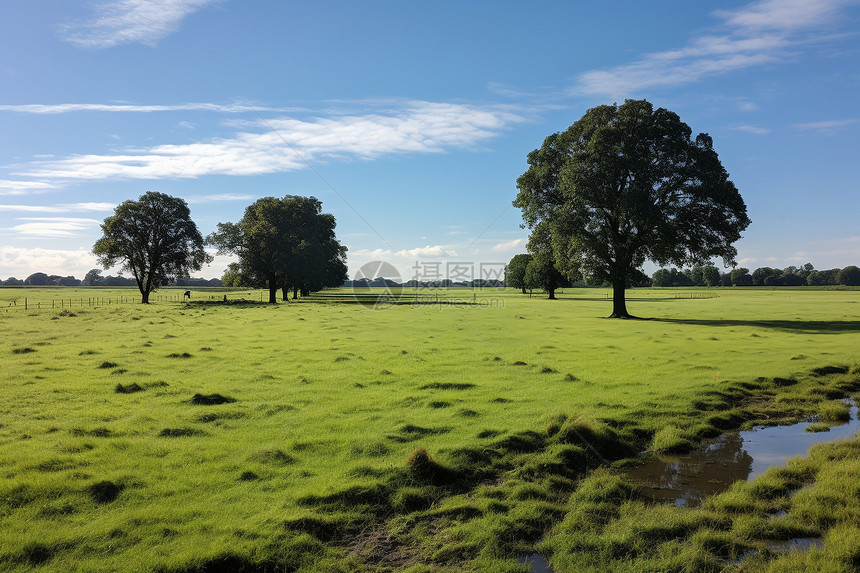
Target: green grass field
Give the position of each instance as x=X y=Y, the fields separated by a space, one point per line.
x=434 y=434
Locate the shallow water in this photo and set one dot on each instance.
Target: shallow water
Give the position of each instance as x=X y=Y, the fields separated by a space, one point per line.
x=538 y=564
x=688 y=479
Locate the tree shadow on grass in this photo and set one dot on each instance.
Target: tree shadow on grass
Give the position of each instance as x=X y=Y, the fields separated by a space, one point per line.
x=804 y=326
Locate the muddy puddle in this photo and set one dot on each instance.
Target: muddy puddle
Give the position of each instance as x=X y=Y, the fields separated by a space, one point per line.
x=688 y=479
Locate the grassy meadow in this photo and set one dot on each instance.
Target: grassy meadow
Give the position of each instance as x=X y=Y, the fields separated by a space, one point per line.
x=435 y=431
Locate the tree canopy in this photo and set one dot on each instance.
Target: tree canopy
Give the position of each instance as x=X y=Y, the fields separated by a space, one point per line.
x=154 y=238
x=515 y=271
x=286 y=243
x=625 y=184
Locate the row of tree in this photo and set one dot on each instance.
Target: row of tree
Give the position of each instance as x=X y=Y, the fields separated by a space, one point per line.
x=284 y=244
x=709 y=275
x=95 y=278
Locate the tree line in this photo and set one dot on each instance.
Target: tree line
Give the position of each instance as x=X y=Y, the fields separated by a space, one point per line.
x=95 y=278
x=286 y=243
x=805 y=275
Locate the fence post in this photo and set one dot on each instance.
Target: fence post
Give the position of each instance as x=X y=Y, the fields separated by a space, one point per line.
x=25 y=303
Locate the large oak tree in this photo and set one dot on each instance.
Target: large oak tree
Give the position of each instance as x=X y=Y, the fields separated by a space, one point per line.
x=286 y=243
x=154 y=238
x=625 y=184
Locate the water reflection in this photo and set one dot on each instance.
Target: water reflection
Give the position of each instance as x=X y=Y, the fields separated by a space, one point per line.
x=687 y=480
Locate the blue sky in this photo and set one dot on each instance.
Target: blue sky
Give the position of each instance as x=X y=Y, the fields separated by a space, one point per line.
x=410 y=121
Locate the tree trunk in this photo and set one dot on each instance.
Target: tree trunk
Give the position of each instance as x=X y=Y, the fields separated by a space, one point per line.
x=551 y=293
x=295 y=293
x=285 y=294
x=144 y=294
x=524 y=290
x=619 y=303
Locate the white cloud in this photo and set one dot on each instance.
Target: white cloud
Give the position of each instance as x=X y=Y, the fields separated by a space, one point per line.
x=434 y=251
x=506 y=246
x=59 y=208
x=759 y=33
x=131 y=21
x=21 y=262
x=44 y=227
x=54 y=109
x=9 y=187
x=825 y=127
x=751 y=129
x=197 y=199
x=287 y=144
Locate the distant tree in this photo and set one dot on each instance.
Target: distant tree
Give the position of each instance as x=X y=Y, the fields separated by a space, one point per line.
x=741 y=277
x=725 y=279
x=286 y=244
x=849 y=276
x=37 y=279
x=711 y=276
x=12 y=281
x=66 y=281
x=774 y=280
x=793 y=279
x=154 y=238
x=541 y=273
x=233 y=277
x=671 y=278
x=515 y=271
x=760 y=274
x=696 y=275
x=626 y=184
x=92 y=278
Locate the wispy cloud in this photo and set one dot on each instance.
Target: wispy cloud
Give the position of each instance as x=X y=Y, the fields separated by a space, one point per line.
x=506 y=246
x=67 y=208
x=131 y=21
x=9 y=187
x=44 y=227
x=58 y=108
x=759 y=33
x=287 y=144
x=825 y=127
x=754 y=129
x=197 y=199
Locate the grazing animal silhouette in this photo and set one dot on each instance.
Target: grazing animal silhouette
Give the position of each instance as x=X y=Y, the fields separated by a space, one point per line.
x=187 y=294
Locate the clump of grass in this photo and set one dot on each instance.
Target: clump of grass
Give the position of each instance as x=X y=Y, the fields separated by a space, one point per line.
x=595 y=437
x=119 y=371
x=177 y=432
x=211 y=399
x=817 y=427
x=104 y=491
x=548 y=370
x=670 y=440
x=411 y=499
x=248 y=476
x=439 y=404
x=834 y=411
x=520 y=363
x=570 y=377
x=447 y=386
x=422 y=468
x=25 y=350
x=274 y=457
x=178 y=355
x=86 y=352
x=128 y=388
x=107 y=364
